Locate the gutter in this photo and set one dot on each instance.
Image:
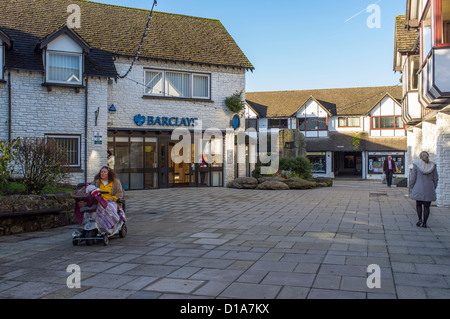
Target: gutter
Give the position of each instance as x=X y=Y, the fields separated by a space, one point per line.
x=9 y=107
x=86 y=130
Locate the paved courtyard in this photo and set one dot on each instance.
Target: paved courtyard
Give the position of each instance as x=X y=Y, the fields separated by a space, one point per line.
x=228 y=243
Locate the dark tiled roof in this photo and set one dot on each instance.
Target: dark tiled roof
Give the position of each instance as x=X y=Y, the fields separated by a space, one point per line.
x=405 y=39
x=342 y=142
x=113 y=30
x=351 y=101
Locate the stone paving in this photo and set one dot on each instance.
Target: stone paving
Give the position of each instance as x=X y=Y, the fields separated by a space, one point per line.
x=227 y=243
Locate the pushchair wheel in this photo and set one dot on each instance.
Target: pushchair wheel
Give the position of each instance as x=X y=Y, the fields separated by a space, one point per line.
x=123 y=231
x=105 y=240
x=75 y=241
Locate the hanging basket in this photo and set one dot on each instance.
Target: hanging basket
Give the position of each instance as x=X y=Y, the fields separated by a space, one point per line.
x=234 y=102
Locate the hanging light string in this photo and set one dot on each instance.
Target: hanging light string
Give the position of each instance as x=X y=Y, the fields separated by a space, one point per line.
x=144 y=36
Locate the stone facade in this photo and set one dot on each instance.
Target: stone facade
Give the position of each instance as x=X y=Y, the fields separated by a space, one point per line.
x=37 y=111
x=435 y=139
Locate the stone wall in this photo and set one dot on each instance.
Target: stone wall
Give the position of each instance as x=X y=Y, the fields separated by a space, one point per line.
x=434 y=138
x=21 y=224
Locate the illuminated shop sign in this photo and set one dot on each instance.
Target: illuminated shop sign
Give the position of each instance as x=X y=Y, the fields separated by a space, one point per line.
x=165 y=121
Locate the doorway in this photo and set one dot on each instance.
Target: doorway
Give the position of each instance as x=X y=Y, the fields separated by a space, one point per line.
x=348 y=165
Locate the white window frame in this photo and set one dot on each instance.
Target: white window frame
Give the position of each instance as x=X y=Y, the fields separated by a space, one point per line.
x=80 y=64
x=191 y=83
x=208 y=77
x=77 y=137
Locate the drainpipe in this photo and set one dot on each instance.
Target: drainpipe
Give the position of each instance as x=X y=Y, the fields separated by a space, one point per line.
x=86 y=131
x=9 y=107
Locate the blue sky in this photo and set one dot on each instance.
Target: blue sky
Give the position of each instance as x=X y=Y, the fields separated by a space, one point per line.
x=302 y=44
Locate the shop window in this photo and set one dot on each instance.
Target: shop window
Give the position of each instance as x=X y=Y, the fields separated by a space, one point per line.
x=278 y=123
x=177 y=84
x=318 y=162
x=348 y=122
x=72 y=146
x=386 y=122
x=64 y=68
x=376 y=163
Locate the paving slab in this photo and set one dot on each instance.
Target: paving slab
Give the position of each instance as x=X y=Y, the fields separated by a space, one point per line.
x=195 y=243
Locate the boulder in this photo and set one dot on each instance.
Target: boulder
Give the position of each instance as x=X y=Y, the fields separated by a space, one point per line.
x=271 y=179
x=299 y=183
x=243 y=183
x=275 y=185
x=322 y=180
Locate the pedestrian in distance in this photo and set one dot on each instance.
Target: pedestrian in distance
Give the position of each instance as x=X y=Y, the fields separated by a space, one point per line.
x=110 y=159
x=389 y=169
x=423 y=183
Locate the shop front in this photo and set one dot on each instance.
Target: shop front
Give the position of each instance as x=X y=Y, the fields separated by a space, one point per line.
x=376 y=159
x=143 y=160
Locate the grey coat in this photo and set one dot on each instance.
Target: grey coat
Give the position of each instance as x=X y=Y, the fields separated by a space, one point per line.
x=423 y=181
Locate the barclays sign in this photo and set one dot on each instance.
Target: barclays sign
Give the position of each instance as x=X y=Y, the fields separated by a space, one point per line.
x=140 y=120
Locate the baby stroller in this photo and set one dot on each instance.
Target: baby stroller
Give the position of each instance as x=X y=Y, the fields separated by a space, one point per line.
x=100 y=219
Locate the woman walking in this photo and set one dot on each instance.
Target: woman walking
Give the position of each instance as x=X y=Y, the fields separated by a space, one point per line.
x=423 y=183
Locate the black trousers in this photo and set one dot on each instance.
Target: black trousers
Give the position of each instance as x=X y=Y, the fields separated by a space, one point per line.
x=389 y=175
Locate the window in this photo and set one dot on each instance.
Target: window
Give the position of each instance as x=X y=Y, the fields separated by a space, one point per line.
x=445 y=23
x=1 y=60
x=387 y=122
x=177 y=84
x=72 y=146
x=251 y=123
x=414 y=77
x=426 y=34
x=318 y=161
x=376 y=161
x=313 y=124
x=64 y=68
x=348 y=122
x=278 y=123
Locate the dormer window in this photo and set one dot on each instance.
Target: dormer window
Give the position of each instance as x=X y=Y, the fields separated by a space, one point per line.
x=64 y=68
x=5 y=42
x=63 y=56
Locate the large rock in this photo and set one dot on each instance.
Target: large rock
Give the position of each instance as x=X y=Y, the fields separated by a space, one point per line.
x=275 y=185
x=243 y=183
x=271 y=179
x=322 y=181
x=299 y=183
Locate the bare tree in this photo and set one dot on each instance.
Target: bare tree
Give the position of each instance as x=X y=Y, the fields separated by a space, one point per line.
x=42 y=162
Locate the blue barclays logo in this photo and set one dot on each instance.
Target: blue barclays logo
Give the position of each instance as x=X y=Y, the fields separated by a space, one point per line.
x=139 y=120
x=165 y=121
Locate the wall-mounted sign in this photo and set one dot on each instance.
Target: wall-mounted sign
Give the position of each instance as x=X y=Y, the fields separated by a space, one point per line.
x=236 y=121
x=165 y=121
x=98 y=138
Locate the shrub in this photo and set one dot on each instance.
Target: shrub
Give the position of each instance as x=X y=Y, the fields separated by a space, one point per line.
x=300 y=166
x=8 y=152
x=42 y=163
